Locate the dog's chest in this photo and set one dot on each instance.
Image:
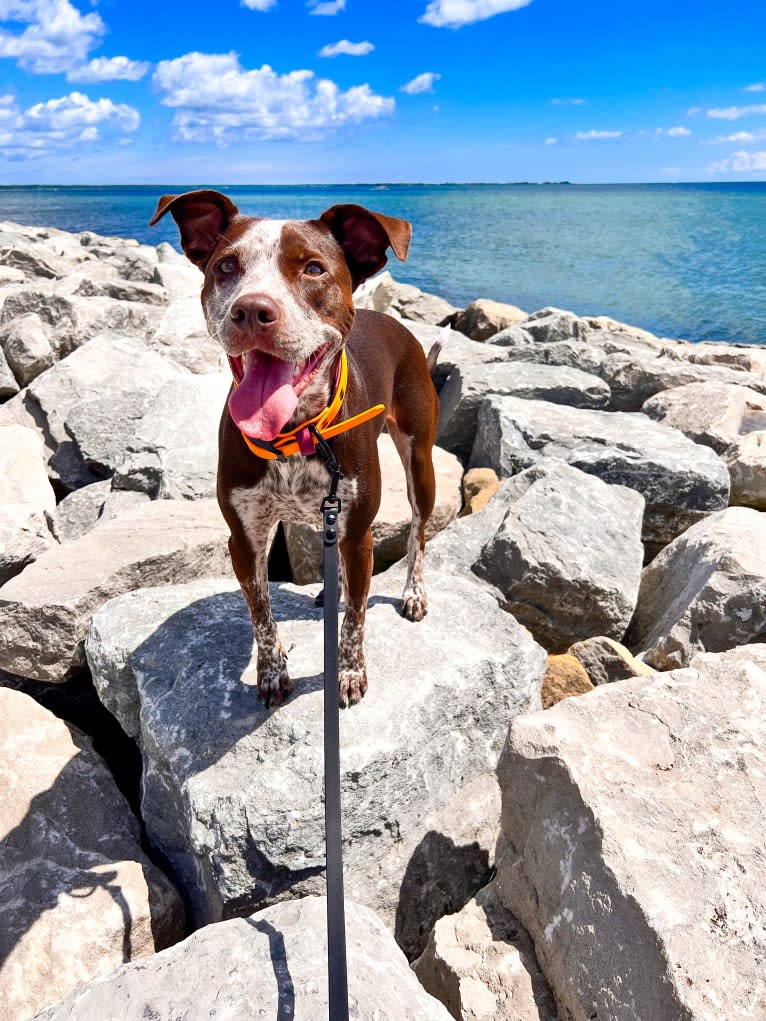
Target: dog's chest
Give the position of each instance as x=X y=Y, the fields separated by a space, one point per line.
x=289 y=491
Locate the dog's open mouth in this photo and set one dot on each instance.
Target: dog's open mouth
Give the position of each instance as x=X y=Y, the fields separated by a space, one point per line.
x=267 y=390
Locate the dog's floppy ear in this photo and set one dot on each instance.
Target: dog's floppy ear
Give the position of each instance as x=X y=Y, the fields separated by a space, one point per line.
x=202 y=216
x=364 y=237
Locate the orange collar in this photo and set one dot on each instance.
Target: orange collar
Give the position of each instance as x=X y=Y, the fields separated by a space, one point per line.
x=296 y=440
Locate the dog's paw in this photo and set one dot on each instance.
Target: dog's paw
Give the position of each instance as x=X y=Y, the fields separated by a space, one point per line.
x=274 y=684
x=352 y=685
x=414 y=606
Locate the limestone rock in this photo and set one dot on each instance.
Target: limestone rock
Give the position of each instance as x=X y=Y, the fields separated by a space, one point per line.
x=746 y=460
x=182 y=337
x=466 y=388
x=124 y=290
x=564 y=677
x=634 y=846
x=715 y=414
x=633 y=380
x=479 y=486
x=605 y=660
x=271 y=965
x=484 y=318
x=567 y=557
x=232 y=792
x=481 y=964
x=56 y=311
x=8 y=385
x=28 y=500
x=45 y=611
x=681 y=481
x=79 y=511
x=77 y=894
x=384 y=294
x=27 y=349
x=706 y=591
x=456 y=350
x=392 y=522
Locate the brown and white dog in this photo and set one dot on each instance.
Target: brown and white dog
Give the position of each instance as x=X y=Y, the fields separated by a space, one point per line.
x=277 y=296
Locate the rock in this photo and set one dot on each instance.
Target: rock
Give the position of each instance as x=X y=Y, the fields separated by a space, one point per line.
x=392 y=522
x=384 y=294
x=567 y=557
x=680 y=480
x=27 y=348
x=633 y=380
x=45 y=612
x=706 y=591
x=232 y=792
x=77 y=894
x=181 y=336
x=466 y=388
x=605 y=660
x=746 y=460
x=18 y=254
x=479 y=486
x=549 y=325
x=634 y=855
x=54 y=310
x=124 y=290
x=564 y=677
x=271 y=965
x=481 y=964
x=28 y=501
x=455 y=350
x=9 y=275
x=484 y=318
x=8 y=385
x=715 y=414
x=116 y=371
x=79 y=511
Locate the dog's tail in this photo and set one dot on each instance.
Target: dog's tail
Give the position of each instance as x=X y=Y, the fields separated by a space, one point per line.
x=436 y=347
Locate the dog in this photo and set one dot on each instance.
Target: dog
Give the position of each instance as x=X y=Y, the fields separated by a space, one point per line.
x=277 y=296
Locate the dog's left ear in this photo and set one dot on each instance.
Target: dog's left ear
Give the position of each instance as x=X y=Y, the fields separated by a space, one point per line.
x=364 y=237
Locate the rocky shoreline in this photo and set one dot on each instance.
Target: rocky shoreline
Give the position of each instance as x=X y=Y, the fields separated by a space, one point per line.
x=600 y=532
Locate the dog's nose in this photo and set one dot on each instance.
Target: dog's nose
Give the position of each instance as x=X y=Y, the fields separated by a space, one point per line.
x=254 y=311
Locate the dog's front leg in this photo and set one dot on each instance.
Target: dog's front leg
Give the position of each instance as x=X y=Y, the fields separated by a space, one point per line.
x=356 y=551
x=249 y=557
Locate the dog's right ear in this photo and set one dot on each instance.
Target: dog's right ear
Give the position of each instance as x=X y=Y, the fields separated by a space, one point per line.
x=202 y=216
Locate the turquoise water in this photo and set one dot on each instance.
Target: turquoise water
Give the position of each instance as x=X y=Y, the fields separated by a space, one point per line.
x=684 y=260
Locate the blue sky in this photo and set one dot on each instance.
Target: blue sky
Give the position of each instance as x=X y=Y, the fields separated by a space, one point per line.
x=290 y=91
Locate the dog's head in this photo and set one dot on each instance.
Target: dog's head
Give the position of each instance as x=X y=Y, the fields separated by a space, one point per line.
x=277 y=294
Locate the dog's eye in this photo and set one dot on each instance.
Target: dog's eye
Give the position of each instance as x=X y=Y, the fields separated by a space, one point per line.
x=227 y=266
x=314 y=269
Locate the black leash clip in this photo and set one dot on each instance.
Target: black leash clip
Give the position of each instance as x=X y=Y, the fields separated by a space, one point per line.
x=331 y=501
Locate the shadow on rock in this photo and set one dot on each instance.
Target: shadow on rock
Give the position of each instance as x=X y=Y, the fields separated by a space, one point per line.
x=285 y=987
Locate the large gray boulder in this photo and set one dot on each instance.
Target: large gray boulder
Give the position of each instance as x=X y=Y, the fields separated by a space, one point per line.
x=633 y=380
x=405 y=301
x=681 y=481
x=27 y=348
x=270 y=965
x=8 y=385
x=232 y=792
x=746 y=461
x=466 y=387
x=28 y=500
x=45 y=611
x=715 y=414
x=484 y=318
x=567 y=557
x=634 y=845
x=78 y=896
x=705 y=592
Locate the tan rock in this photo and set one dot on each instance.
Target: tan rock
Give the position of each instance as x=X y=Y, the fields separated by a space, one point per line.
x=481 y=964
x=78 y=897
x=564 y=676
x=28 y=500
x=479 y=486
x=484 y=318
x=606 y=660
x=746 y=460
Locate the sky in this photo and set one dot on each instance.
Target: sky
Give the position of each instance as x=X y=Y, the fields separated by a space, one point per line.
x=342 y=91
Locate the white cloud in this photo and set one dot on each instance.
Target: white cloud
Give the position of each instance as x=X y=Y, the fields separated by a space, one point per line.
x=589 y=136
x=108 y=69
x=344 y=46
x=58 y=123
x=679 y=132
x=218 y=100
x=421 y=83
x=568 y=102
x=551 y=141
x=326 y=7
x=693 y=111
x=454 y=13
x=57 y=37
x=756 y=87
x=741 y=162
x=259 y=5
x=739 y=137
x=733 y=113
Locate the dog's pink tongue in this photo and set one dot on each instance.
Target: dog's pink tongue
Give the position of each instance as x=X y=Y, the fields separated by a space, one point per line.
x=264 y=400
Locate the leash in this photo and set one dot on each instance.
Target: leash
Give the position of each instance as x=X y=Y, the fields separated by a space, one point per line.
x=337 y=975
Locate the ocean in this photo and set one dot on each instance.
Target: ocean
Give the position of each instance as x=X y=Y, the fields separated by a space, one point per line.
x=682 y=260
